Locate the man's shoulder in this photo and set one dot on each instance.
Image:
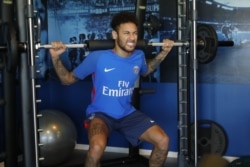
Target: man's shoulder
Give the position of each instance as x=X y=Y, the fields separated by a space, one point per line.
x=98 y=53
x=139 y=51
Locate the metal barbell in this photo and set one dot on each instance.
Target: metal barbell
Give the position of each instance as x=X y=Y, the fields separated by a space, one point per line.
x=207 y=43
x=92 y=44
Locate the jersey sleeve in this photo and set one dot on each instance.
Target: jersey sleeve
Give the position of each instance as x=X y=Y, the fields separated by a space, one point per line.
x=87 y=66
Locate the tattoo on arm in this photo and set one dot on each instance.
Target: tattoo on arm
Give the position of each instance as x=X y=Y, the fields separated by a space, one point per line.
x=154 y=63
x=61 y=70
x=63 y=73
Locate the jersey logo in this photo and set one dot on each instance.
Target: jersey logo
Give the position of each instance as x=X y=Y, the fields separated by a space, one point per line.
x=136 y=69
x=108 y=69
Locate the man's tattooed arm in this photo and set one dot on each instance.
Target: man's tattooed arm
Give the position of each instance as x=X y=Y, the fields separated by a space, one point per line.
x=156 y=61
x=64 y=75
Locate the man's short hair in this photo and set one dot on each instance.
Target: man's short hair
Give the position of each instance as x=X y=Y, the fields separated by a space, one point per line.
x=123 y=17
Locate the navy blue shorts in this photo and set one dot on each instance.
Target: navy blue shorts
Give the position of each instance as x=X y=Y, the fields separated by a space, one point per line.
x=131 y=127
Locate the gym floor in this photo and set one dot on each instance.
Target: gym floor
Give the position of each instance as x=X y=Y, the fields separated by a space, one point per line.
x=77 y=160
x=115 y=159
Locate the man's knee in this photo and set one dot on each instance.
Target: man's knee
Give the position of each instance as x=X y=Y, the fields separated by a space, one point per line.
x=163 y=142
x=96 y=150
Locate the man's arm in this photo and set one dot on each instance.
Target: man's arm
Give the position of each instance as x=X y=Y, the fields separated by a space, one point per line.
x=65 y=76
x=156 y=61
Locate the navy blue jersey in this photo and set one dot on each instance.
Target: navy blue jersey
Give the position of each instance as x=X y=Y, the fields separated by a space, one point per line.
x=114 y=79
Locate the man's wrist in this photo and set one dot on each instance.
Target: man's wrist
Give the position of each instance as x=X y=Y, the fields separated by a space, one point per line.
x=56 y=58
x=164 y=52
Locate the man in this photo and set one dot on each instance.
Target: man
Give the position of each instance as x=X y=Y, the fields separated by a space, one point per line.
x=114 y=73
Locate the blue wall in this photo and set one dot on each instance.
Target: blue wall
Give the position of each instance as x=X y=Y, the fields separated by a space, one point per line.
x=226 y=104
x=74 y=99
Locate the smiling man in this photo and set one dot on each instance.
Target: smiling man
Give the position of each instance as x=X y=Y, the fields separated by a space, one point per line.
x=114 y=74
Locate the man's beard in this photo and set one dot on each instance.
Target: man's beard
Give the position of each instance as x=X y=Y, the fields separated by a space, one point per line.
x=123 y=47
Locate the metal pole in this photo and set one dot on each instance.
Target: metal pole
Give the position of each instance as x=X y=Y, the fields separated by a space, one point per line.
x=195 y=67
x=29 y=129
x=183 y=84
x=31 y=53
x=29 y=159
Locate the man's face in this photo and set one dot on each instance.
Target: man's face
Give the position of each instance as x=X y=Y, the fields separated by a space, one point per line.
x=126 y=37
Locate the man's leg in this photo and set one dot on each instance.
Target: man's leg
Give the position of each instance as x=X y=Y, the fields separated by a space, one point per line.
x=160 y=141
x=97 y=134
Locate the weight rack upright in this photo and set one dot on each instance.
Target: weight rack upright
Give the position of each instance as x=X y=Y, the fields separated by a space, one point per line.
x=186 y=62
x=183 y=84
x=29 y=102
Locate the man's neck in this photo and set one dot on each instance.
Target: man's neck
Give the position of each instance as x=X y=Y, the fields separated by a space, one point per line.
x=121 y=52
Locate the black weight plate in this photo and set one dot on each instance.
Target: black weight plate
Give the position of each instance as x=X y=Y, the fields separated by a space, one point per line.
x=3 y=41
x=208 y=36
x=1 y=36
x=10 y=41
x=211 y=138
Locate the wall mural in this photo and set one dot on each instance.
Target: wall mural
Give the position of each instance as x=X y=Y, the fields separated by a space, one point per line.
x=89 y=20
x=231 y=23
x=76 y=21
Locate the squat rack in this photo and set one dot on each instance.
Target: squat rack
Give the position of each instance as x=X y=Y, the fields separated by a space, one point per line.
x=184 y=25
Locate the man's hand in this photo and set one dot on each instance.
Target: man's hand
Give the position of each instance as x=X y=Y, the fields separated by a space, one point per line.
x=167 y=45
x=57 y=49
